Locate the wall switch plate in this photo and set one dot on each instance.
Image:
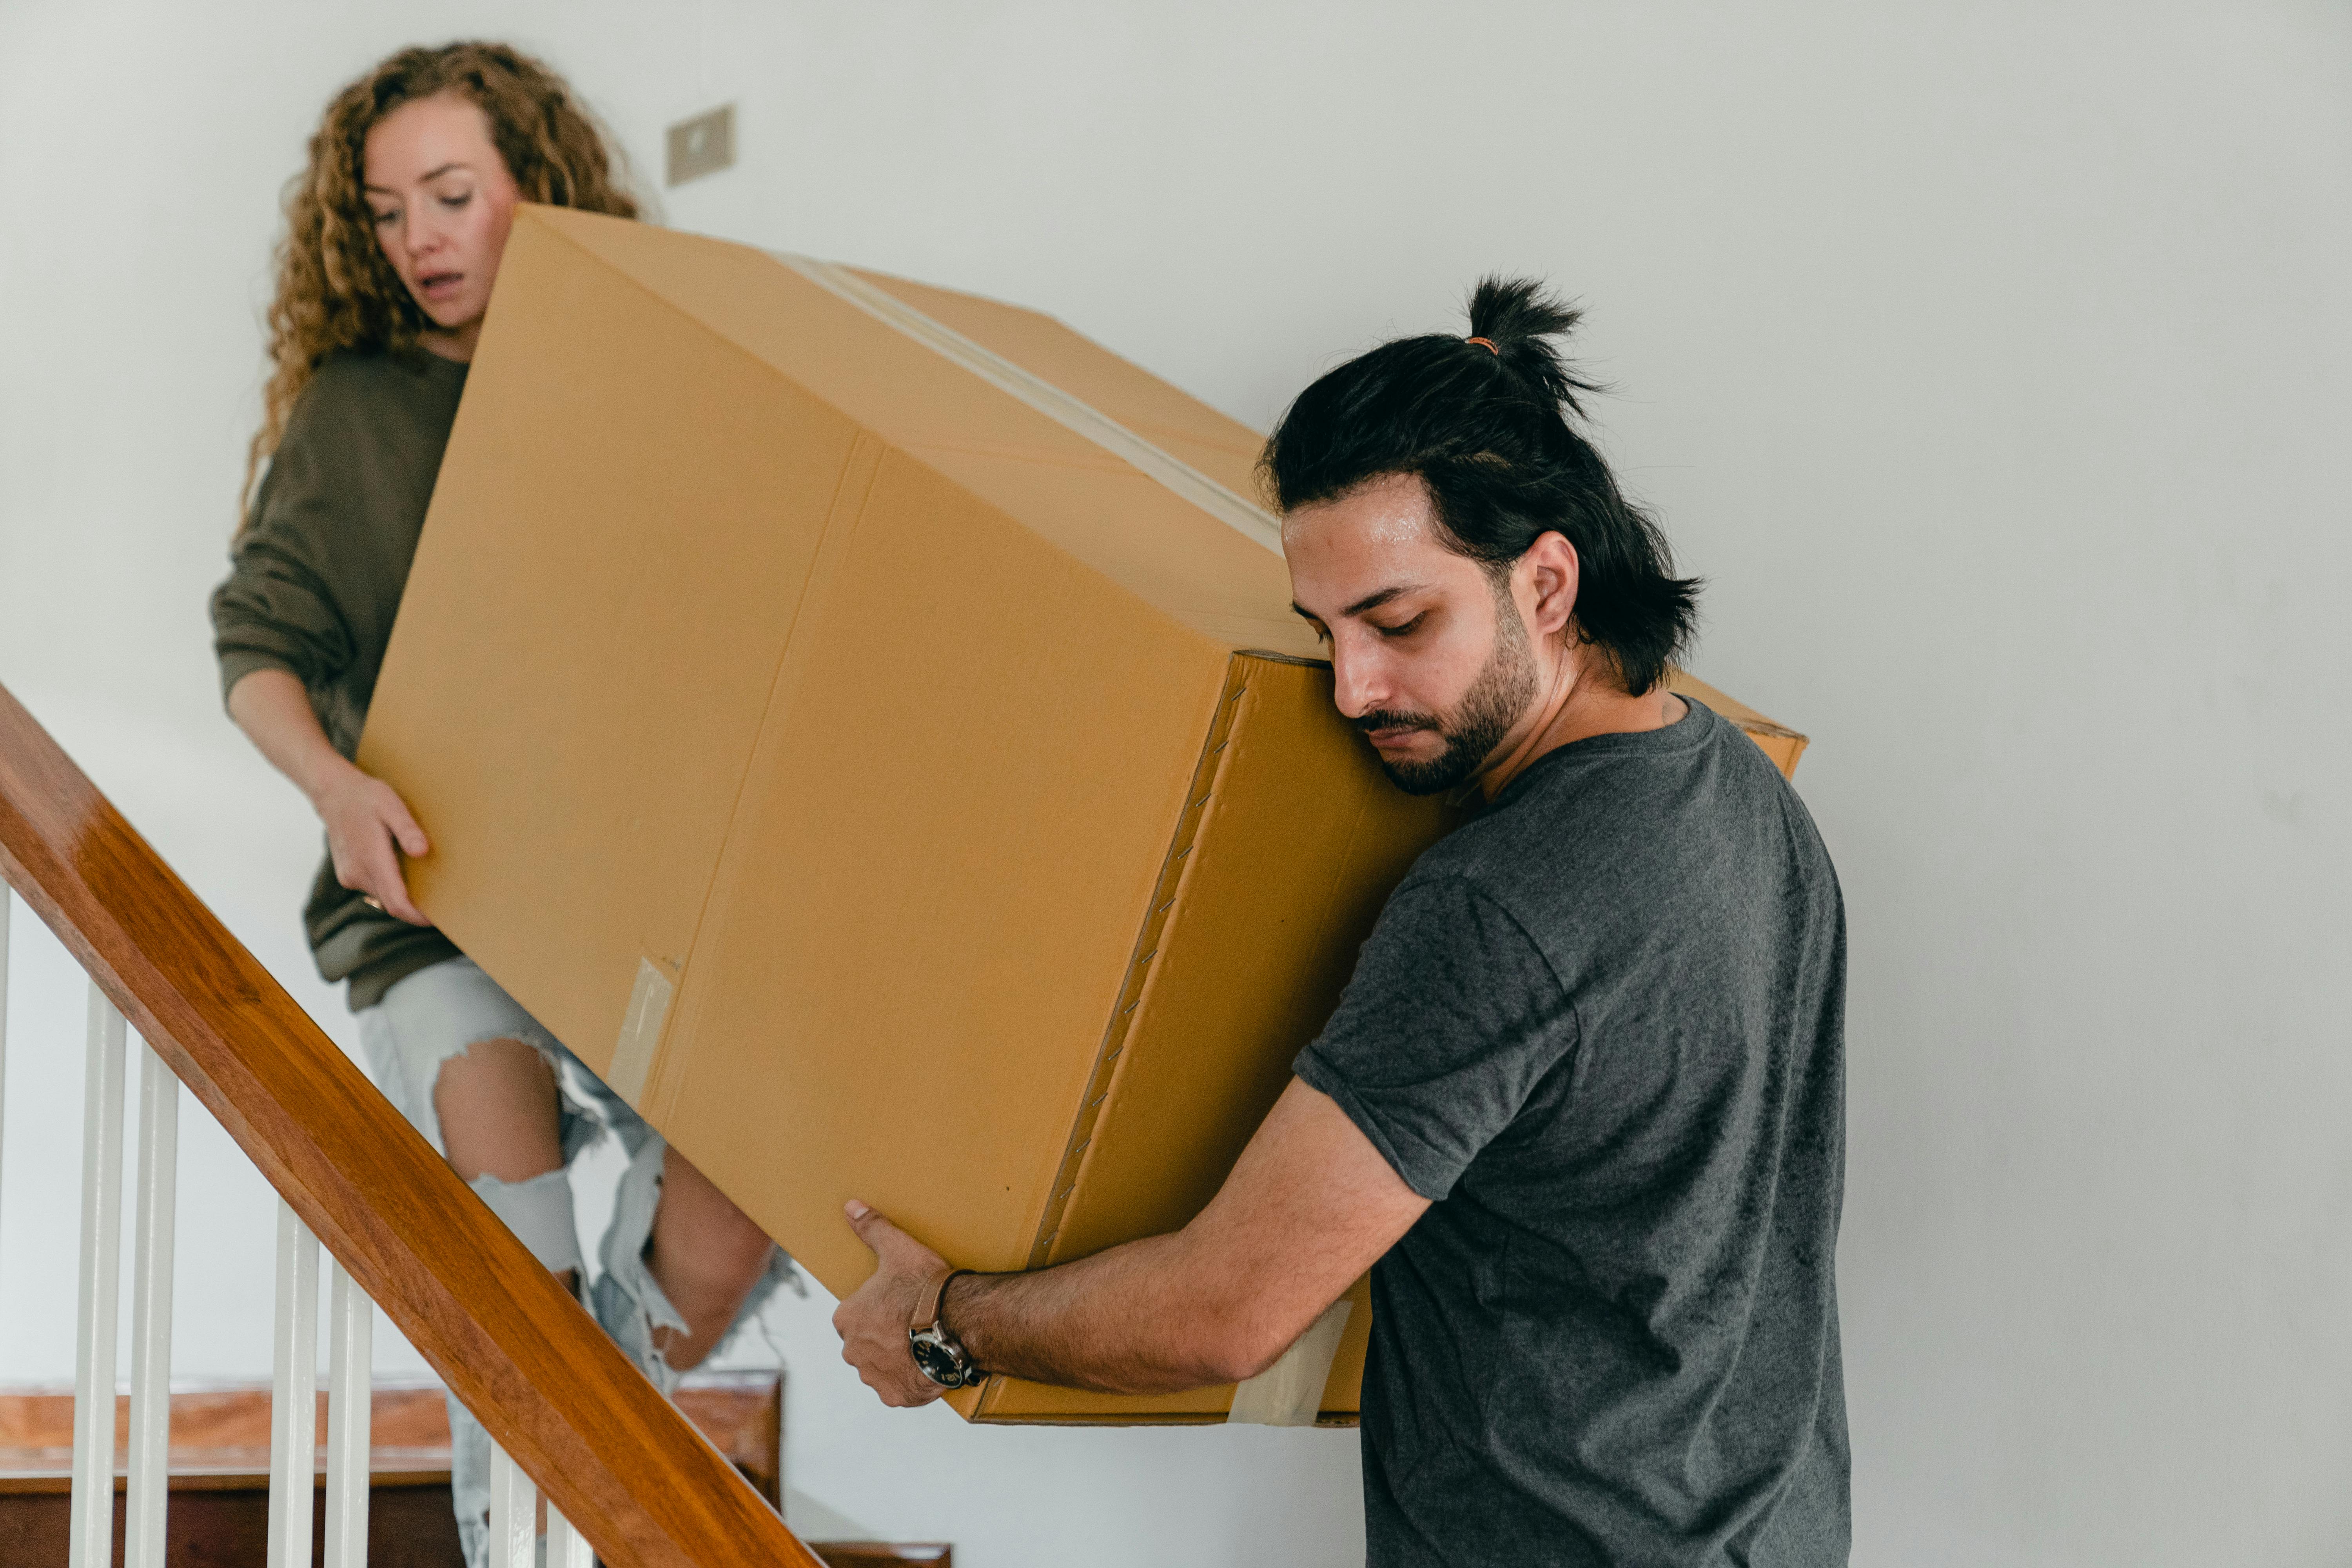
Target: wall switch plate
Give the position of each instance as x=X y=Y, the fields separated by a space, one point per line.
x=702 y=145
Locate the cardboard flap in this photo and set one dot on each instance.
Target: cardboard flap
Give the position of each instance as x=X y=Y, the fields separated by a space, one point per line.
x=1219 y=446
x=1118 y=521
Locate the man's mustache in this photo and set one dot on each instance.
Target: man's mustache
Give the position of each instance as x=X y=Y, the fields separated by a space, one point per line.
x=1391 y=719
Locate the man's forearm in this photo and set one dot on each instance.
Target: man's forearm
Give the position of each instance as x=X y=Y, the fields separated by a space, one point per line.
x=1144 y=1318
x=1310 y=1204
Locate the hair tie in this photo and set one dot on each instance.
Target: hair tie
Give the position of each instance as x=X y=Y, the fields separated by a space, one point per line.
x=1487 y=343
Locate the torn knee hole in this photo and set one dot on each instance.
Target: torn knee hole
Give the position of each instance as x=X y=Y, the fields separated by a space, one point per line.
x=492 y=1052
x=539 y=1212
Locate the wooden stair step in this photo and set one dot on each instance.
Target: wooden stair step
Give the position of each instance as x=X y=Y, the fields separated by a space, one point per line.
x=408 y=1527
x=219 y=1515
x=224 y=1433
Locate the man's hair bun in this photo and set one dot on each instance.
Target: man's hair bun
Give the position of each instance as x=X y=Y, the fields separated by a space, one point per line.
x=1520 y=320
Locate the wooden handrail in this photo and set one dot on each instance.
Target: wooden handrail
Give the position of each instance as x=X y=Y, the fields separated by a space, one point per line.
x=556 y=1394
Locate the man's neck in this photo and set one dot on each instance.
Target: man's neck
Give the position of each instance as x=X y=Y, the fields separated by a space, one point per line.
x=1590 y=705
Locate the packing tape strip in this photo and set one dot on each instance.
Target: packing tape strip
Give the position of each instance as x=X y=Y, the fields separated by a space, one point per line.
x=641 y=1027
x=1173 y=473
x=1290 y=1391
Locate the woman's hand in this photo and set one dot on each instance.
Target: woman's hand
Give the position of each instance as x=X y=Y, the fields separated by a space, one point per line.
x=368 y=824
x=368 y=830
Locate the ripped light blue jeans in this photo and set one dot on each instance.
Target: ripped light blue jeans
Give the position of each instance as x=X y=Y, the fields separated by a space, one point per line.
x=445 y=1011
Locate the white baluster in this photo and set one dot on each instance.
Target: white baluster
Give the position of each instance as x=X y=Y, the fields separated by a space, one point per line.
x=150 y=1314
x=514 y=1514
x=6 y=898
x=294 y=1395
x=349 y=1369
x=90 y=1535
x=566 y=1547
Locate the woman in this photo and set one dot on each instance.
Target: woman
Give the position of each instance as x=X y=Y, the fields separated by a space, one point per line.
x=393 y=237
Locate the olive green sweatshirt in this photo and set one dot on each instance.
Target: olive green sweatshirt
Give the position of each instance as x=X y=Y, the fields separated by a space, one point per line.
x=313 y=584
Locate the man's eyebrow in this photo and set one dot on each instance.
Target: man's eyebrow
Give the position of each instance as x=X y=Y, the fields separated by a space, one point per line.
x=1369 y=602
x=1374 y=601
x=435 y=175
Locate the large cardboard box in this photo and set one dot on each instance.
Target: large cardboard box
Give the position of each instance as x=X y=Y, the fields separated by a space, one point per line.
x=867 y=723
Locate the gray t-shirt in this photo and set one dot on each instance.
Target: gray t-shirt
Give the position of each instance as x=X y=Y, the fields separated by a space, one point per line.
x=1600 y=1028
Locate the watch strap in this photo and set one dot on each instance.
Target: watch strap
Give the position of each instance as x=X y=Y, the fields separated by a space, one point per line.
x=939 y=1308
x=939 y=1355
x=933 y=1302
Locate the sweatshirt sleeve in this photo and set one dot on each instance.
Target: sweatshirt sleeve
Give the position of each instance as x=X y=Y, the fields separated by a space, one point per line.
x=277 y=610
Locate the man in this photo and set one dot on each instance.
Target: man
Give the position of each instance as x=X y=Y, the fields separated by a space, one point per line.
x=1579 y=1110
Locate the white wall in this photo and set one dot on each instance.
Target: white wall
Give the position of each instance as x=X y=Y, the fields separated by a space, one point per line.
x=1990 y=360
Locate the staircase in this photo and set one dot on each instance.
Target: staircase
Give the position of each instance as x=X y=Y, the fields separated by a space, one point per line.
x=584 y=1444
x=220 y=1473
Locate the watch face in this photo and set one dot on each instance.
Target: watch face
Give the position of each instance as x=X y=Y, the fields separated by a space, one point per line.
x=936 y=1362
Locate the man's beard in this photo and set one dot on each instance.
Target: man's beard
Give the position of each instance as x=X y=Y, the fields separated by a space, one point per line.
x=1505 y=686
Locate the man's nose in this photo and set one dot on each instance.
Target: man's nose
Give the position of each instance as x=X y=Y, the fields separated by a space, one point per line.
x=1357 y=683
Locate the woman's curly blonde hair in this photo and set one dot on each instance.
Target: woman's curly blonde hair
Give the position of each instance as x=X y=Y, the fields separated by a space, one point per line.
x=335 y=290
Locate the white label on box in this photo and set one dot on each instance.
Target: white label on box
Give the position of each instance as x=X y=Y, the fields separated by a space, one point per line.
x=641 y=1030
x=1290 y=1391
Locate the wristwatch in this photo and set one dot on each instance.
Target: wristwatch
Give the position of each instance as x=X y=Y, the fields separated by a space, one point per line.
x=937 y=1354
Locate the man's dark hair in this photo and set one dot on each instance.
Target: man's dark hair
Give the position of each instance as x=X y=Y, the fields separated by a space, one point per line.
x=1490 y=433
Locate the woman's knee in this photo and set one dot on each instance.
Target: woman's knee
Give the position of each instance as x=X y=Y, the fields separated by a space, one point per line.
x=703 y=1230
x=498 y=1106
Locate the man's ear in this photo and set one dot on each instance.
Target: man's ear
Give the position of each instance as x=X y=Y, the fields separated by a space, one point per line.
x=1551 y=566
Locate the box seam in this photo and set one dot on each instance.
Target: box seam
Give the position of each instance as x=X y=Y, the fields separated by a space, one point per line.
x=1056 y=403
x=1102 y=1079
x=662 y=1085
x=1166 y=891
x=882 y=280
